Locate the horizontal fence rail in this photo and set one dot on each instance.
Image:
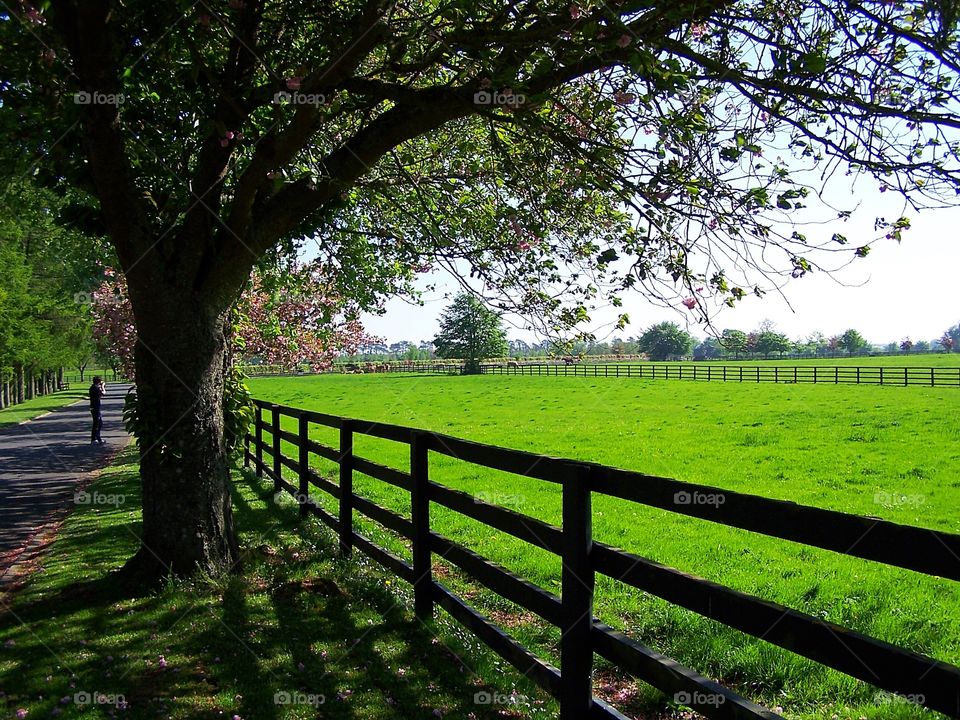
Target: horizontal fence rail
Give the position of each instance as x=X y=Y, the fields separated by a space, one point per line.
x=710 y=372
x=921 y=679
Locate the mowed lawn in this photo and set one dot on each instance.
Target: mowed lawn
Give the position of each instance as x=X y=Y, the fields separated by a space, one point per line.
x=890 y=452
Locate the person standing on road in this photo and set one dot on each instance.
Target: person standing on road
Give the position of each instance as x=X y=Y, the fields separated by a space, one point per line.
x=97 y=391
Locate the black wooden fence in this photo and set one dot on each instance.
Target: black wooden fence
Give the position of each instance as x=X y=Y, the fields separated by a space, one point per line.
x=825 y=374
x=921 y=679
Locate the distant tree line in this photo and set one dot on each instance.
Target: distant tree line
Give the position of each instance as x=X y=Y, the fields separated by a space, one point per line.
x=667 y=341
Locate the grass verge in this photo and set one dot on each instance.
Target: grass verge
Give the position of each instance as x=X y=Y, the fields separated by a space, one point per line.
x=298 y=634
x=30 y=409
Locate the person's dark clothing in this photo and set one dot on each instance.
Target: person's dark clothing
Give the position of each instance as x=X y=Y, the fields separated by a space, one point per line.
x=96 y=393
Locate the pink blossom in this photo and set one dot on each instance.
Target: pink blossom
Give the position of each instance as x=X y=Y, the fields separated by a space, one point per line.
x=293 y=83
x=690 y=302
x=624 y=98
x=224 y=142
x=21 y=713
x=575 y=12
x=486 y=83
x=162 y=662
x=698 y=30
x=309 y=327
x=624 y=40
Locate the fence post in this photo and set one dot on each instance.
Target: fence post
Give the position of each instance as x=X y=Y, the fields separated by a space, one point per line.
x=420 y=515
x=303 y=442
x=576 y=647
x=881 y=374
x=346 y=488
x=258 y=433
x=932 y=381
x=277 y=465
x=858 y=375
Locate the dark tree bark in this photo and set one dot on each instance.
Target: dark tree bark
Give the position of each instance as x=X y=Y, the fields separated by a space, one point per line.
x=181 y=359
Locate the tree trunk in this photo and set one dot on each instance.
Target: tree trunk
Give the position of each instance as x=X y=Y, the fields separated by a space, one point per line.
x=181 y=359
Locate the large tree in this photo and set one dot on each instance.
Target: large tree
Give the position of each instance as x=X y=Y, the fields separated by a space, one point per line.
x=471 y=332
x=852 y=341
x=664 y=340
x=551 y=150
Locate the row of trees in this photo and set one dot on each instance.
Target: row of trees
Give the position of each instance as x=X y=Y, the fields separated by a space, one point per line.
x=46 y=272
x=666 y=340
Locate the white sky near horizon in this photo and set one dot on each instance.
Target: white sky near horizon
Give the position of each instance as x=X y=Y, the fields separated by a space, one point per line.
x=898 y=290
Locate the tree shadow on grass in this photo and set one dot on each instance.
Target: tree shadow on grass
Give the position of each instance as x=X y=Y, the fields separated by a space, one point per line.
x=298 y=632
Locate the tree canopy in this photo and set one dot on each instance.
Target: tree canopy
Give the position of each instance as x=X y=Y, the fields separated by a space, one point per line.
x=536 y=143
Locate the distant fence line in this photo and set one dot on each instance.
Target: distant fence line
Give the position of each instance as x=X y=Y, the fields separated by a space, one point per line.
x=917 y=678
x=702 y=371
x=446 y=367
x=708 y=372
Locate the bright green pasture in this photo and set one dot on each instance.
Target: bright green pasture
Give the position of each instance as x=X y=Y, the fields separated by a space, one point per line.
x=890 y=452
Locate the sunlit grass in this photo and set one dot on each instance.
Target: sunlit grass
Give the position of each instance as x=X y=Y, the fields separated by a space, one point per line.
x=882 y=451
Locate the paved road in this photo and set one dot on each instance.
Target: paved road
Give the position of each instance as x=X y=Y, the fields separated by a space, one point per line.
x=41 y=461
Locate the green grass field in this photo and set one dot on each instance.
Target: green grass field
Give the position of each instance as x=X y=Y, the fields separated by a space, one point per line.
x=884 y=451
x=40 y=405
